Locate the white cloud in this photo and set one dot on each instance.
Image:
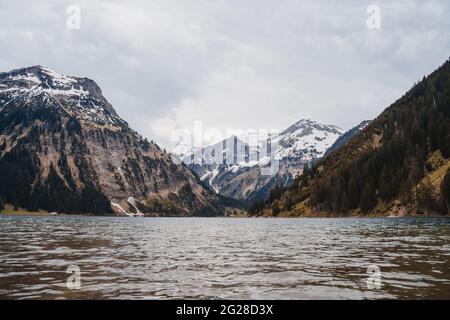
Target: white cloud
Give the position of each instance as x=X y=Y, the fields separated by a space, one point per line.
x=232 y=64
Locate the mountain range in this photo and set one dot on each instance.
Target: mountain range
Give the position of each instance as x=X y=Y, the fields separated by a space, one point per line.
x=234 y=168
x=399 y=164
x=63 y=148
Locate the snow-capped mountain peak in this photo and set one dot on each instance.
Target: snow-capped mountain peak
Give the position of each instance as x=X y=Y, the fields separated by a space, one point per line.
x=80 y=157
x=227 y=151
x=58 y=77
x=306 y=124
x=306 y=139
x=80 y=97
x=39 y=76
x=230 y=167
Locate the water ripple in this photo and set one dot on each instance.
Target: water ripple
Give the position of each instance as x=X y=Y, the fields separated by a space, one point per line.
x=213 y=258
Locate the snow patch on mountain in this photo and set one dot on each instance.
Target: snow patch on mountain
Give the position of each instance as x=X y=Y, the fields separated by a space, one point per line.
x=220 y=164
x=80 y=97
x=306 y=140
x=59 y=78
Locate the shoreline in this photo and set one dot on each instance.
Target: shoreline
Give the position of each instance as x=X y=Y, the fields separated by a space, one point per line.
x=31 y=213
x=48 y=214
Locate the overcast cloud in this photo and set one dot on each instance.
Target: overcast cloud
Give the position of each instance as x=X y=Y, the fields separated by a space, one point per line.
x=233 y=63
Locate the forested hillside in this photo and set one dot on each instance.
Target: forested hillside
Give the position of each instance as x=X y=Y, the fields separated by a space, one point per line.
x=399 y=164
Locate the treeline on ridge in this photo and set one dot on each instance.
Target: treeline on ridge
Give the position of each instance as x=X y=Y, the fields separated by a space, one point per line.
x=393 y=160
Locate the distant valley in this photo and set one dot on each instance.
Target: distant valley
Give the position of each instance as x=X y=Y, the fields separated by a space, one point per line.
x=64 y=149
x=300 y=145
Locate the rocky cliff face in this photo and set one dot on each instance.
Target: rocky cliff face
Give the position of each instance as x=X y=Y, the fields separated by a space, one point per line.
x=64 y=148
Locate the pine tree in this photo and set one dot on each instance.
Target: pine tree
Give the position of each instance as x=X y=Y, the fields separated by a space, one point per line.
x=445 y=192
x=276 y=209
x=368 y=198
x=425 y=197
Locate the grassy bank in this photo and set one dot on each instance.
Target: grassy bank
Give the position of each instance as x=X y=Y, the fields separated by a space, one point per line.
x=9 y=210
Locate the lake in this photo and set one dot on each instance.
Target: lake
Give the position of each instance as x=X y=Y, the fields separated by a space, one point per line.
x=223 y=258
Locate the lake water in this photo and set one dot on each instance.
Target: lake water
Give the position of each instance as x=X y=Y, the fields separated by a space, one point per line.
x=209 y=258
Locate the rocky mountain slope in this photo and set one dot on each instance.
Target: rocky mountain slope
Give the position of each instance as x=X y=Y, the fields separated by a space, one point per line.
x=64 y=148
x=342 y=140
x=233 y=168
x=399 y=164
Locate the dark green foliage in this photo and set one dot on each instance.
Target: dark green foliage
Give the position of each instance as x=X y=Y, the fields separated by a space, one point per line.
x=259 y=204
x=20 y=168
x=256 y=207
x=54 y=195
x=426 y=199
x=17 y=173
x=385 y=161
x=162 y=207
x=276 y=209
x=189 y=200
x=94 y=201
x=275 y=193
x=346 y=137
x=368 y=198
x=2 y=204
x=73 y=127
x=187 y=194
x=231 y=202
x=445 y=193
x=207 y=211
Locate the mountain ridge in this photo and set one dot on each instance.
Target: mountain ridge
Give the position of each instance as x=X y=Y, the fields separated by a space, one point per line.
x=64 y=148
x=232 y=167
x=347 y=136
x=387 y=168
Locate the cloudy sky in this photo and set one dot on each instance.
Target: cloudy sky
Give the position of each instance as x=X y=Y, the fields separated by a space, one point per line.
x=232 y=64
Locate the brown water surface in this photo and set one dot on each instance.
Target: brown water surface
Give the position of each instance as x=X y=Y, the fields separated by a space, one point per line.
x=206 y=258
